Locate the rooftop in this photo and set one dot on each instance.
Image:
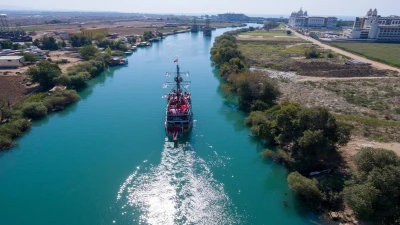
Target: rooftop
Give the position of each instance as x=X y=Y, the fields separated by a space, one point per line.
x=11 y=57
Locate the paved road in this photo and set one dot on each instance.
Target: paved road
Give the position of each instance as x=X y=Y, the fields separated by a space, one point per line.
x=375 y=64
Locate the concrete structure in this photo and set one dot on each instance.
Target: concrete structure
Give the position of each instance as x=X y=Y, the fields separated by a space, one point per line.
x=11 y=61
x=374 y=26
x=301 y=19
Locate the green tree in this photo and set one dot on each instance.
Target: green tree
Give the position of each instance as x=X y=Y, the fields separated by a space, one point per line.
x=375 y=193
x=15 y=46
x=306 y=188
x=361 y=199
x=6 y=44
x=289 y=32
x=64 y=80
x=49 y=43
x=147 y=35
x=34 y=110
x=108 y=52
x=270 y=25
x=369 y=158
x=44 y=73
x=88 y=52
x=30 y=57
x=79 y=40
x=36 y=42
x=98 y=37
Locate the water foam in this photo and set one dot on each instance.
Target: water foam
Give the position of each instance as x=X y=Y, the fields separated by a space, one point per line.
x=180 y=190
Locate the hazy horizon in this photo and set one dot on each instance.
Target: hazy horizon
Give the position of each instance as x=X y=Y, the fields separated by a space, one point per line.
x=252 y=7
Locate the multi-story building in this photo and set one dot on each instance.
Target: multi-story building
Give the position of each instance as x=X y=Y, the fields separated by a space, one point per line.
x=301 y=19
x=374 y=26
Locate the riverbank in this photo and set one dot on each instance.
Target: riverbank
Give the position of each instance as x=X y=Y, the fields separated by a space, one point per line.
x=50 y=94
x=106 y=158
x=277 y=124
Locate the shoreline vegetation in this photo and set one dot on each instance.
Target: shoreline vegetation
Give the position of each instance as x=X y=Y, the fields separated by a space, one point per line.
x=308 y=140
x=57 y=90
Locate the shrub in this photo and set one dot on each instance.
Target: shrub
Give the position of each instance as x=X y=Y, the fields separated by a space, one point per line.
x=44 y=73
x=361 y=199
x=306 y=188
x=369 y=158
x=88 y=51
x=64 y=80
x=312 y=53
x=20 y=124
x=78 y=80
x=34 y=110
x=278 y=155
x=5 y=142
x=59 y=99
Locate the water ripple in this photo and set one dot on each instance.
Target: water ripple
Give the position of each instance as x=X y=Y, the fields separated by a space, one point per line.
x=180 y=190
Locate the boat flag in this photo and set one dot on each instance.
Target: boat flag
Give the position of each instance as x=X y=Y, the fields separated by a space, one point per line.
x=176 y=60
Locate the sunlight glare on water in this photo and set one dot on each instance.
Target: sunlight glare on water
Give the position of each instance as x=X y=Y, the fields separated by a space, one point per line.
x=181 y=189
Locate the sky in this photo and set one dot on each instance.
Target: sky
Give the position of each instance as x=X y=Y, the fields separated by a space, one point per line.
x=248 y=7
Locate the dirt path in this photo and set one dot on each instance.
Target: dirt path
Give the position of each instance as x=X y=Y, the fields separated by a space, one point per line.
x=375 y=64
x=299 y=78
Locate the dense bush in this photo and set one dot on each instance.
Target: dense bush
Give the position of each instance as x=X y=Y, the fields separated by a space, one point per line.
x=11 y=130
x=79 y=40
x=305 y=187
x=88 y=52
x=78 y=81
x=60 y=98
x=44 y=73
x=312 y=53
x=5 y=142
x=34 y=110
x=310 y=134
x=64 y=80
x=375 y=192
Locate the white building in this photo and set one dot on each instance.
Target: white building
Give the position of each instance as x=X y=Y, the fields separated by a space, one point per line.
x=374 y=26
x=11 y=61
x=301 y=19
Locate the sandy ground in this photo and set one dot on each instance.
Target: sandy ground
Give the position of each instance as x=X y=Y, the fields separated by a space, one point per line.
x=375 y=64
x=58 y=55
x=12 y=88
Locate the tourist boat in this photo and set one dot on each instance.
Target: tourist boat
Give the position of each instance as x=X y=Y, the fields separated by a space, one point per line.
x=123 y=61
x=179 y=115
x=115 y=61
x=128 y=52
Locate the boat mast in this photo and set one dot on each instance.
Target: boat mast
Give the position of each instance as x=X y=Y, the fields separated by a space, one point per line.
x=178 y=81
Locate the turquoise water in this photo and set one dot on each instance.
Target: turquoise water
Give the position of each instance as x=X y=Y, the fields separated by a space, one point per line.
x=105 y=160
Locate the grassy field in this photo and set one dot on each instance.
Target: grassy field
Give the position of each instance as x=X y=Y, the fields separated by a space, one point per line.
x=260 y=49
x=267 y=34
x=386 y=53
x=27 y=29
x=282 y=25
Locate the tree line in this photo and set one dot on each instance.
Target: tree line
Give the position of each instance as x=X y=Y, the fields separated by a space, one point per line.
x=308 y=139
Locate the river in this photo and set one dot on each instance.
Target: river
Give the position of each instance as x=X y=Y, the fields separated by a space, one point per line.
x=105 y=160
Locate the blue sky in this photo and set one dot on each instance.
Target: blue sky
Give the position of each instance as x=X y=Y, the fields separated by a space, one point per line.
x=260 y=7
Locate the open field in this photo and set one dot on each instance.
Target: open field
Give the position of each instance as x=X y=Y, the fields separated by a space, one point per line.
x=386 y=53
x=280 y=54
x=371 y=105
x=267 y=34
